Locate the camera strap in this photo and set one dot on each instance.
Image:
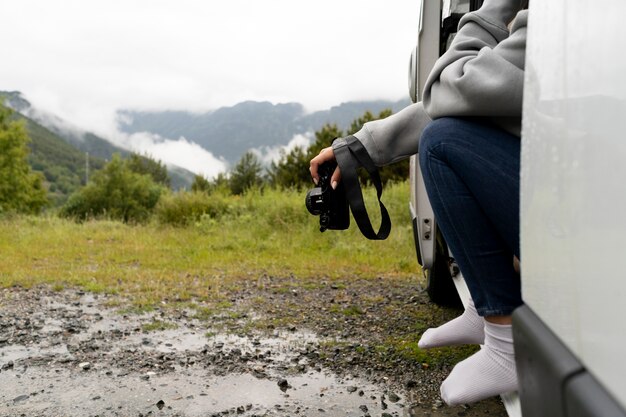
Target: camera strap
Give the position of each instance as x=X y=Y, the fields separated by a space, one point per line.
x=351 y=156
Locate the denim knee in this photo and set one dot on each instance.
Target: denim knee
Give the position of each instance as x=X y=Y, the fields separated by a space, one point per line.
x=434 y=135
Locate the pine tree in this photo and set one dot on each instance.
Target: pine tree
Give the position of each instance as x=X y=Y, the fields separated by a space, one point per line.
x=246 y=174
x=200 y=184
x=144 y=164
x=291 y=170
x=323 y=139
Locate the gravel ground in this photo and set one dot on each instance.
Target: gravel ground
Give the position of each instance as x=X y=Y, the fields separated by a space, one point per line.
x=271 y=347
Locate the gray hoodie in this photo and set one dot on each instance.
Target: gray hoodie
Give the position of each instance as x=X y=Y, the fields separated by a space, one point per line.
x=481 y=75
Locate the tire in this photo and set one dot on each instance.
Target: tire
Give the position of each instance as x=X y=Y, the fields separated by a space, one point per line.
x=439 y=285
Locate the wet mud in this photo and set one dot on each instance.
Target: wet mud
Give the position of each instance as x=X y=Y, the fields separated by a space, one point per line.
x=68 y=353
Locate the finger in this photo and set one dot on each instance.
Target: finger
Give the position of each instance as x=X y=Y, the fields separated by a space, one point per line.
x=335 y=178
x=313 y=169
x=325 y=155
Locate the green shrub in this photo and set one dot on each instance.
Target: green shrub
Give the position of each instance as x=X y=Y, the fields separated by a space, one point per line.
x=116 y=192
x=276 y=208
x=186 y=207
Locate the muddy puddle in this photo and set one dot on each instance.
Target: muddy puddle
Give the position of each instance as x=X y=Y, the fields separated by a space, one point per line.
x=80 y=359
x=192 y=392
x=67 y=354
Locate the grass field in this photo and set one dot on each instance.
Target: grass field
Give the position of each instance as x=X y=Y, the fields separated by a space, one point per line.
x=267 y=233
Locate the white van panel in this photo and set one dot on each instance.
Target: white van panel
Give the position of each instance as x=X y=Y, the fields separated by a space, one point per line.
x=573 y=185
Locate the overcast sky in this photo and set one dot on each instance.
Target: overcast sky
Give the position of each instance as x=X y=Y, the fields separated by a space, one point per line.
x=84 y=59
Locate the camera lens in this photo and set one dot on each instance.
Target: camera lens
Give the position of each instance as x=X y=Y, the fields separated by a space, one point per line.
x=314 y=201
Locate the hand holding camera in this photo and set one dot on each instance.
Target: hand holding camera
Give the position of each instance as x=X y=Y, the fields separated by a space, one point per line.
x=333 y=200
x=325 y=155
x=326 y=201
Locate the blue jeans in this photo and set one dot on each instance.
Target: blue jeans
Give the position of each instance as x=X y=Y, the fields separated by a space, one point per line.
x=471 y=172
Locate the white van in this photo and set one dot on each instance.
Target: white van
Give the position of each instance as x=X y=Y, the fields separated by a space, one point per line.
x=570 y=336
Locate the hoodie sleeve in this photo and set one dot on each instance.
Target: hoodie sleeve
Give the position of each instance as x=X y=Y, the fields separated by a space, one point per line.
x=482 y=74
x=393 y=138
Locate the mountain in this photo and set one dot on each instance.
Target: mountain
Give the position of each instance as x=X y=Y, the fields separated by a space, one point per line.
x=227 y=132
x=231 y=131
x=58 y=148
x=83 y=141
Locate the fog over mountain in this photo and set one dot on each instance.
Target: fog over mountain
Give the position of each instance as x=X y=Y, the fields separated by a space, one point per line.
x=205 y=143
x=48 y=132
x=183 y=158
x=229 y=132
x=79 y=138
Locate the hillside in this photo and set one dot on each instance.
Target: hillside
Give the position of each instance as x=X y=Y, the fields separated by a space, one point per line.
x=62 y=165
x=59 y=150
x=83 y=141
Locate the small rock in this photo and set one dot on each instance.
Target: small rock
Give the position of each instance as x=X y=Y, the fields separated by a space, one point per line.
x=410 y=384
x=363 y=408
x=160 y=404
x=351 y=389
x=437 y=404
x=393 y=397
x=85 y=366
x=20 y=398
x=283 y=385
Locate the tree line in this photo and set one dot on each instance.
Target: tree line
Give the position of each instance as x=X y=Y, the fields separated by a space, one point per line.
x=134 y=188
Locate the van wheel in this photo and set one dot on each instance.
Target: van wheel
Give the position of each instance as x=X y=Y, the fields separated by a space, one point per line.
x=439 y=285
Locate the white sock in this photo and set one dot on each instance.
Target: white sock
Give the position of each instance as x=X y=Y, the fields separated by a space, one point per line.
x=468 y=328
x=489 y=372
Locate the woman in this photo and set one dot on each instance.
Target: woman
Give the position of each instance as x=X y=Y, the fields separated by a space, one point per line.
x=468 y=128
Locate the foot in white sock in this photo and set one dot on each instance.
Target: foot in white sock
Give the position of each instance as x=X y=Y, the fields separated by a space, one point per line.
x=468 y=328
x=487 y=373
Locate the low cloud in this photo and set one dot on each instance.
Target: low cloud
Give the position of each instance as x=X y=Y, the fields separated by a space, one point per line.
x=181 y=152
x=54 y=123
x=267 y=154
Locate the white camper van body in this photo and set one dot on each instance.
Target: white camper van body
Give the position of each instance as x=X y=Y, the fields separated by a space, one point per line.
x=573 y=198
x=570 y=336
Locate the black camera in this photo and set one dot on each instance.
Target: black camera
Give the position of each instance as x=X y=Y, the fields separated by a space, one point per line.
x=331 y=205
